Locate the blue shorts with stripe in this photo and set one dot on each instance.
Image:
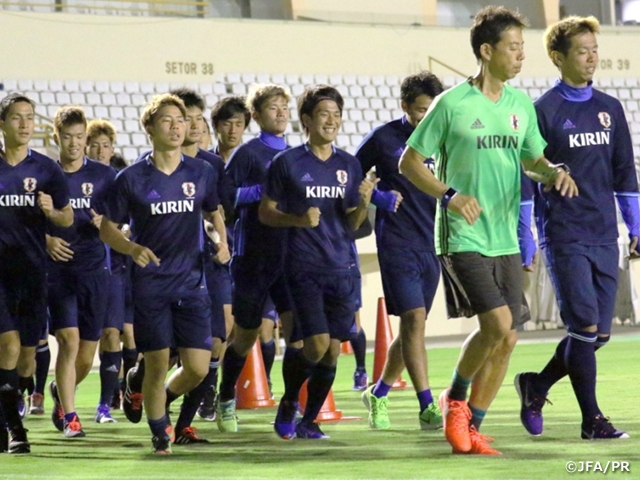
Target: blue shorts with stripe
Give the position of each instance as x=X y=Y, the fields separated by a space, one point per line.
x=120 y=301
x=219 y=287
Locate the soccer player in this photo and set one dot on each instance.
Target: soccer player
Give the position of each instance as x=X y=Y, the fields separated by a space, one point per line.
x=215 y=265
x=408 y=264
x=316 y=191
x=587 y=130
x=258 y=251
x=481 y=130
x=78 y=273
x=34 y=190
x=101 y=136
x=164 y=197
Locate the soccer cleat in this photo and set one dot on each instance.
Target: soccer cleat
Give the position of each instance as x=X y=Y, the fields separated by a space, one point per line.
x=310 y=431
x=36 y=404
x=188 y=436
x=132 y=400
x=600 y=428
x=57 y=414
x=431 y=417
x=479 y=444
x=22 y=406
x=456 y=416
x=378 y=414
x=207 y=408
x=73 y=429
x=530 y=403
x=18 y=442
x=161 y=446
x=226 y=419
x=103 y=415
x=116 y=400
x=360 y=380
x=285 y=424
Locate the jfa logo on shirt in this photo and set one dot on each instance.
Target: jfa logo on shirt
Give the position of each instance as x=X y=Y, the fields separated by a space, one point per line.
x=515 y=122
x=87 y=189
x=189 y=189
x=605 y=119
x=342 y=177
x=30 y=184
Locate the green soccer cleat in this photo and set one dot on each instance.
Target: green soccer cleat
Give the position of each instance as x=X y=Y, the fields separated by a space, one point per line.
x=431 y=417
x=378 y=416
x=227 y=420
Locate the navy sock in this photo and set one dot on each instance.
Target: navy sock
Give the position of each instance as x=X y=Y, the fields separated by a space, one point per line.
x=359 y=346
x=268 y=355
x=459 y=387
x=320 y=382
x=232 y=366
x=43 y=360
x=477 y=416
x=295 y=370
x=214 y=367
x=68 y=417
x=9 y=381
x=109 y=371
x=553 y=371
x=136 y=379
x=27 y=385
x=170 y=397
x=425 y=398
x=191 y=401
x=158 y=427
x=381 y=389
x=580 y=359
x=129 y=359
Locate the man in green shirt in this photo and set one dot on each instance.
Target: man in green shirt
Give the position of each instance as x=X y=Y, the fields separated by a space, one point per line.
x=480 y=132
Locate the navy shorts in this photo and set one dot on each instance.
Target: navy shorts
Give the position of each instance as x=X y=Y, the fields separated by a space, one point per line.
x=254 y=279
x=23 y=304
x=585 y=280
x=409 y=278
x=324 y=303
x=80 y=300
x=117 y=302
x=357 y=288
x=164 y=321
x=491 y=282
x=219 y=287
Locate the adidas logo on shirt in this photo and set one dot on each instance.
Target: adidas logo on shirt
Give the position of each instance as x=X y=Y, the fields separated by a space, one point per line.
x=153 y=194
x=306 y=178
x=477 y=124
x=568 y=124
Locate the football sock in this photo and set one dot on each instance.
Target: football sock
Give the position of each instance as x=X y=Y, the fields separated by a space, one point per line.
x=359 y=346
x=320 y=382
x=459 y=387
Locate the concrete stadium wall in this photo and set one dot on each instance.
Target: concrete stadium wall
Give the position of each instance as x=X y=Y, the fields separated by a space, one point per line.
x=85 y=47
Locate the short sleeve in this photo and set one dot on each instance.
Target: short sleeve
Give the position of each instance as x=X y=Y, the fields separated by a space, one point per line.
x=57 y=187
x=118 y=199
x=100 y=205
x=431 y=132
x=367 y=152
x=211 y=198
x=274 y=187
x=352 y=197
x=533 y=145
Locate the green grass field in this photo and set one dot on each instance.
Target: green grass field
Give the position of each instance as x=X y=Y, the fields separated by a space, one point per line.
x=122 y=450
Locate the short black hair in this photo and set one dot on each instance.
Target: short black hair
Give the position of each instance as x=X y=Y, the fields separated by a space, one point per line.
x=117 y=162
x=312 y=96
x=230 y=107
x=12 y=98
x=423 y=83
x=489 y=24
x=190 y=97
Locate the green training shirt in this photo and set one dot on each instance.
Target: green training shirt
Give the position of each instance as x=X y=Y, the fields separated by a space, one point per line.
x=478 y=145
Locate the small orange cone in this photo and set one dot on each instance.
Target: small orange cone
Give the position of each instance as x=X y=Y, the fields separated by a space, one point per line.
x=345 y=348
x=328 y=412
x=384 y=337
x=252 y=388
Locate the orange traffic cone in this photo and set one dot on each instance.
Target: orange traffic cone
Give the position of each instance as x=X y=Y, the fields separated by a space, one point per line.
x=345 y=348
x=328 y=412
x=384 y=337
x=252 y=388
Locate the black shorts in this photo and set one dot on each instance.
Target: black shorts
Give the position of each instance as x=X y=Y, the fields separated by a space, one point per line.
x=488 y=282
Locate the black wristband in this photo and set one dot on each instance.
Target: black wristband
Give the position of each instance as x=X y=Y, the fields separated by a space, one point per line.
x=446 y=198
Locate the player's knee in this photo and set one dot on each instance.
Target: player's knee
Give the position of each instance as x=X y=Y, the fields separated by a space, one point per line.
x=509 y=342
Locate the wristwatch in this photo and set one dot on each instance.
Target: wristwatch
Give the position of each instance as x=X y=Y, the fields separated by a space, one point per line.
x=447 y=196
x=561 y=166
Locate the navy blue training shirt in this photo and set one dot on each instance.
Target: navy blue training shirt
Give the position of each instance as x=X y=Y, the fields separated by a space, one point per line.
x=22 y=224
x=411 y=226
x=88 y=190
x=298 y=180
x=165 y=215
x=587 y=130
x=247 y=170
